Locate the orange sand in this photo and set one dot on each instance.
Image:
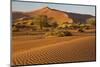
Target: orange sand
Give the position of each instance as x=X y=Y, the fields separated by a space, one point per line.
x=53 y=50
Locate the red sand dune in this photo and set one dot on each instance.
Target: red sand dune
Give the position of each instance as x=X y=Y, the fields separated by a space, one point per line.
x=58 y=16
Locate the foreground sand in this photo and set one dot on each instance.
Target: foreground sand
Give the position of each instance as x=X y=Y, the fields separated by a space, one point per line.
x=53 y=50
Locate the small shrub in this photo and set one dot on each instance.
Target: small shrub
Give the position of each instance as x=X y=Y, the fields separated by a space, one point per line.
x=59 y=33
x=87 y=27
x=91 y=21
x=14 y=29
x=67 y=33
x=62 y=33
x=80 y=30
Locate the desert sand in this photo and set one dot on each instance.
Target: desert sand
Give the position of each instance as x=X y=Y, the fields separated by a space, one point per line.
x=53 y=50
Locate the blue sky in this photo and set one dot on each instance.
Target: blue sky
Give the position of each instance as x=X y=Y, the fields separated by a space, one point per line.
x=30 y=6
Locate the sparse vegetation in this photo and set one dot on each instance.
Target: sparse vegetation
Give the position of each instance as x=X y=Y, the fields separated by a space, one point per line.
x=59 y=33
x=50 y=26
x=91 y=21
x=80 y=30
x=62 y=33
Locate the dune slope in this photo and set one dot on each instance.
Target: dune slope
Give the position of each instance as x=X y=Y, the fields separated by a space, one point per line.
x=79 y=49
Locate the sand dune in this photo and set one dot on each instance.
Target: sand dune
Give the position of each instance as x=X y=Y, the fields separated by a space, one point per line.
x=63 y=50
x=27 y=42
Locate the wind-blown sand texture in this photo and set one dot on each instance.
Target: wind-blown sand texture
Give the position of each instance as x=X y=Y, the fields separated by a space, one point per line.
x=53 y=50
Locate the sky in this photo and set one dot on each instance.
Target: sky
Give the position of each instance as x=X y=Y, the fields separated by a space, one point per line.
x=30 y=6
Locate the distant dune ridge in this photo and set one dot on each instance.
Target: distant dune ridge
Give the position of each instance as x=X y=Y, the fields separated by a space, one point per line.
x=58 y=15
x=73 y=50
